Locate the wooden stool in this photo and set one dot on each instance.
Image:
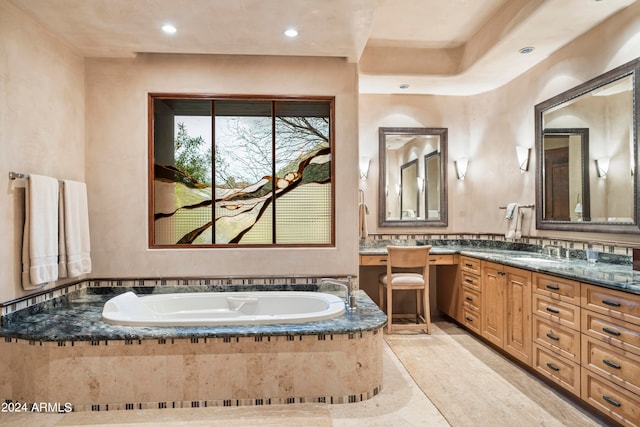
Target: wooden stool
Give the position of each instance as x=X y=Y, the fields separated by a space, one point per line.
x=399 y=260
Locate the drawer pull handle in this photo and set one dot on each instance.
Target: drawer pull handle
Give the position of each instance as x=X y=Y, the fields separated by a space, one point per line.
x=383 y=260
x=553 y=337
x=433 y=259
x=469 y=299
x=469 y=319
x=468 y=265
x=468 y=280
x=553 y=310
x=552 y=367
x=553 y=287
x=611 y=364
x=611 y=332
x=611 y=303
x=612 y=401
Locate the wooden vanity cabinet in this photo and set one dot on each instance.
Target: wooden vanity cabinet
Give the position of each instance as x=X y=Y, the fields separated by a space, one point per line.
x=556 y=330
x=505 y=315
x=470 y=300
x=611 y=352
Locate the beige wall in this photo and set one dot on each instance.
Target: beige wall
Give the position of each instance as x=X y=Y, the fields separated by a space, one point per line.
x=41 y=124
x=116 y=117
x=487 y=127
x=43 y=118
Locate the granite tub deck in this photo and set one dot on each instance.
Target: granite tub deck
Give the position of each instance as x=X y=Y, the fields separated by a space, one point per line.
x=611 y=271
x=67 y=354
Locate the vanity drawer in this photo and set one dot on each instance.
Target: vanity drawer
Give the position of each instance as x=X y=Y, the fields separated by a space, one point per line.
x=555 y=311
x=618 y=366
x=558 y=369
x=620 y=334
x=470 y=280
x=556 y=288
x=442 y=259
x=620 y=305
x=470 y=299
x=470 y=265
x=557 y=339
x=373 y=259
x=382 y=259
x=471 y=319
x=619 y=404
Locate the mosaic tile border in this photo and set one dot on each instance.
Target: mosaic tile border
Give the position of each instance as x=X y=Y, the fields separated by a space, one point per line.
x=197 y=341
x=265 y=401
x=605 y=247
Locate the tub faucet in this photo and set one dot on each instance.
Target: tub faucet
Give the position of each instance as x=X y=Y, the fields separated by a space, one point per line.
x=349 y=297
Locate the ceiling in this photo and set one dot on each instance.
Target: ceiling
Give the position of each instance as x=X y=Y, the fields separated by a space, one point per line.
x=446 y=47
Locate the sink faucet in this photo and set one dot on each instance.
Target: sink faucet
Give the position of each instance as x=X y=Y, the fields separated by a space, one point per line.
x=551 y=249
x=349 y=297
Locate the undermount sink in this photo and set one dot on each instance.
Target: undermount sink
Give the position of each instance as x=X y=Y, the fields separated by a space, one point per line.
x=535 y=260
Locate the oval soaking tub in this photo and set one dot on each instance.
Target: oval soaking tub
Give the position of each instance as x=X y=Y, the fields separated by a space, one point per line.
x=221 y=308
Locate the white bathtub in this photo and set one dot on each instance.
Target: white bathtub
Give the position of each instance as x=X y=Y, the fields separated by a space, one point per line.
x=221 y=308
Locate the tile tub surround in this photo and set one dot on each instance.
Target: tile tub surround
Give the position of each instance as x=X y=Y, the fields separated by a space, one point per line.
x=612 y=270
x=104 y=367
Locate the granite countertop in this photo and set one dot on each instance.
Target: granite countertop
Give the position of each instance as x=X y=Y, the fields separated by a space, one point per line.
x=613 y=275
x=78 y=318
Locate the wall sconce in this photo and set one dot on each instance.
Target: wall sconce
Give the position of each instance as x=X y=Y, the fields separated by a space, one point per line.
x=523 y=158
x=461 y=167
x=602 y=166
x=398 y=189
x=420 y=184
x=364 y=167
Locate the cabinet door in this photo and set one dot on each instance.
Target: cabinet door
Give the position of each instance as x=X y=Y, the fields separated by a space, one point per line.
x=518 y=306
x=492 y=320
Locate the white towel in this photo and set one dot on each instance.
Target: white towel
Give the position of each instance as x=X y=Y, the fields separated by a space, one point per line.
x=40 y=236
x=513 y=231
x=62 y=246
x=362 y=220
x=76 y=229
x=511 y=207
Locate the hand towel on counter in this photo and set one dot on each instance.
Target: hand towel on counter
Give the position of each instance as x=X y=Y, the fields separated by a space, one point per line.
x=40 y=236
x=76 y=229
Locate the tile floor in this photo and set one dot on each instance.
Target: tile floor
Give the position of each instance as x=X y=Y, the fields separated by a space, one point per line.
x=446 y=379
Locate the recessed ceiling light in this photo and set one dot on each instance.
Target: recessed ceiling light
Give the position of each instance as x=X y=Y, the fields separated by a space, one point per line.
x=291 y=32
x=404 y=86
x=169 y=29
x=527 y=49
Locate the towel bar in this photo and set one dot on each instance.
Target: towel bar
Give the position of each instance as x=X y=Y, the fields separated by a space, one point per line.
x=18 y=175
x=521 y=206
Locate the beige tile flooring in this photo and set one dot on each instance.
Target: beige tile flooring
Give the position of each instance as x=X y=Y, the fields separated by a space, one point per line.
x=447 y=379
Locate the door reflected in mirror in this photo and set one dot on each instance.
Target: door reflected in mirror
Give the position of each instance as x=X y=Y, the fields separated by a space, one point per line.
x=412 y=187
x=566 y=161
x=409 y=195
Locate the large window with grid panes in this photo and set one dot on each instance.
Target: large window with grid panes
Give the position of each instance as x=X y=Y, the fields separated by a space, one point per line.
x=240 y=171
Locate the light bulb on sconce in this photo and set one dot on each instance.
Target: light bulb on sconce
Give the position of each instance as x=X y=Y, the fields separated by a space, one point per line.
x=602 y=166
x=461 y=167
x=523 y=158
x=420 y=184
x=364 y=167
